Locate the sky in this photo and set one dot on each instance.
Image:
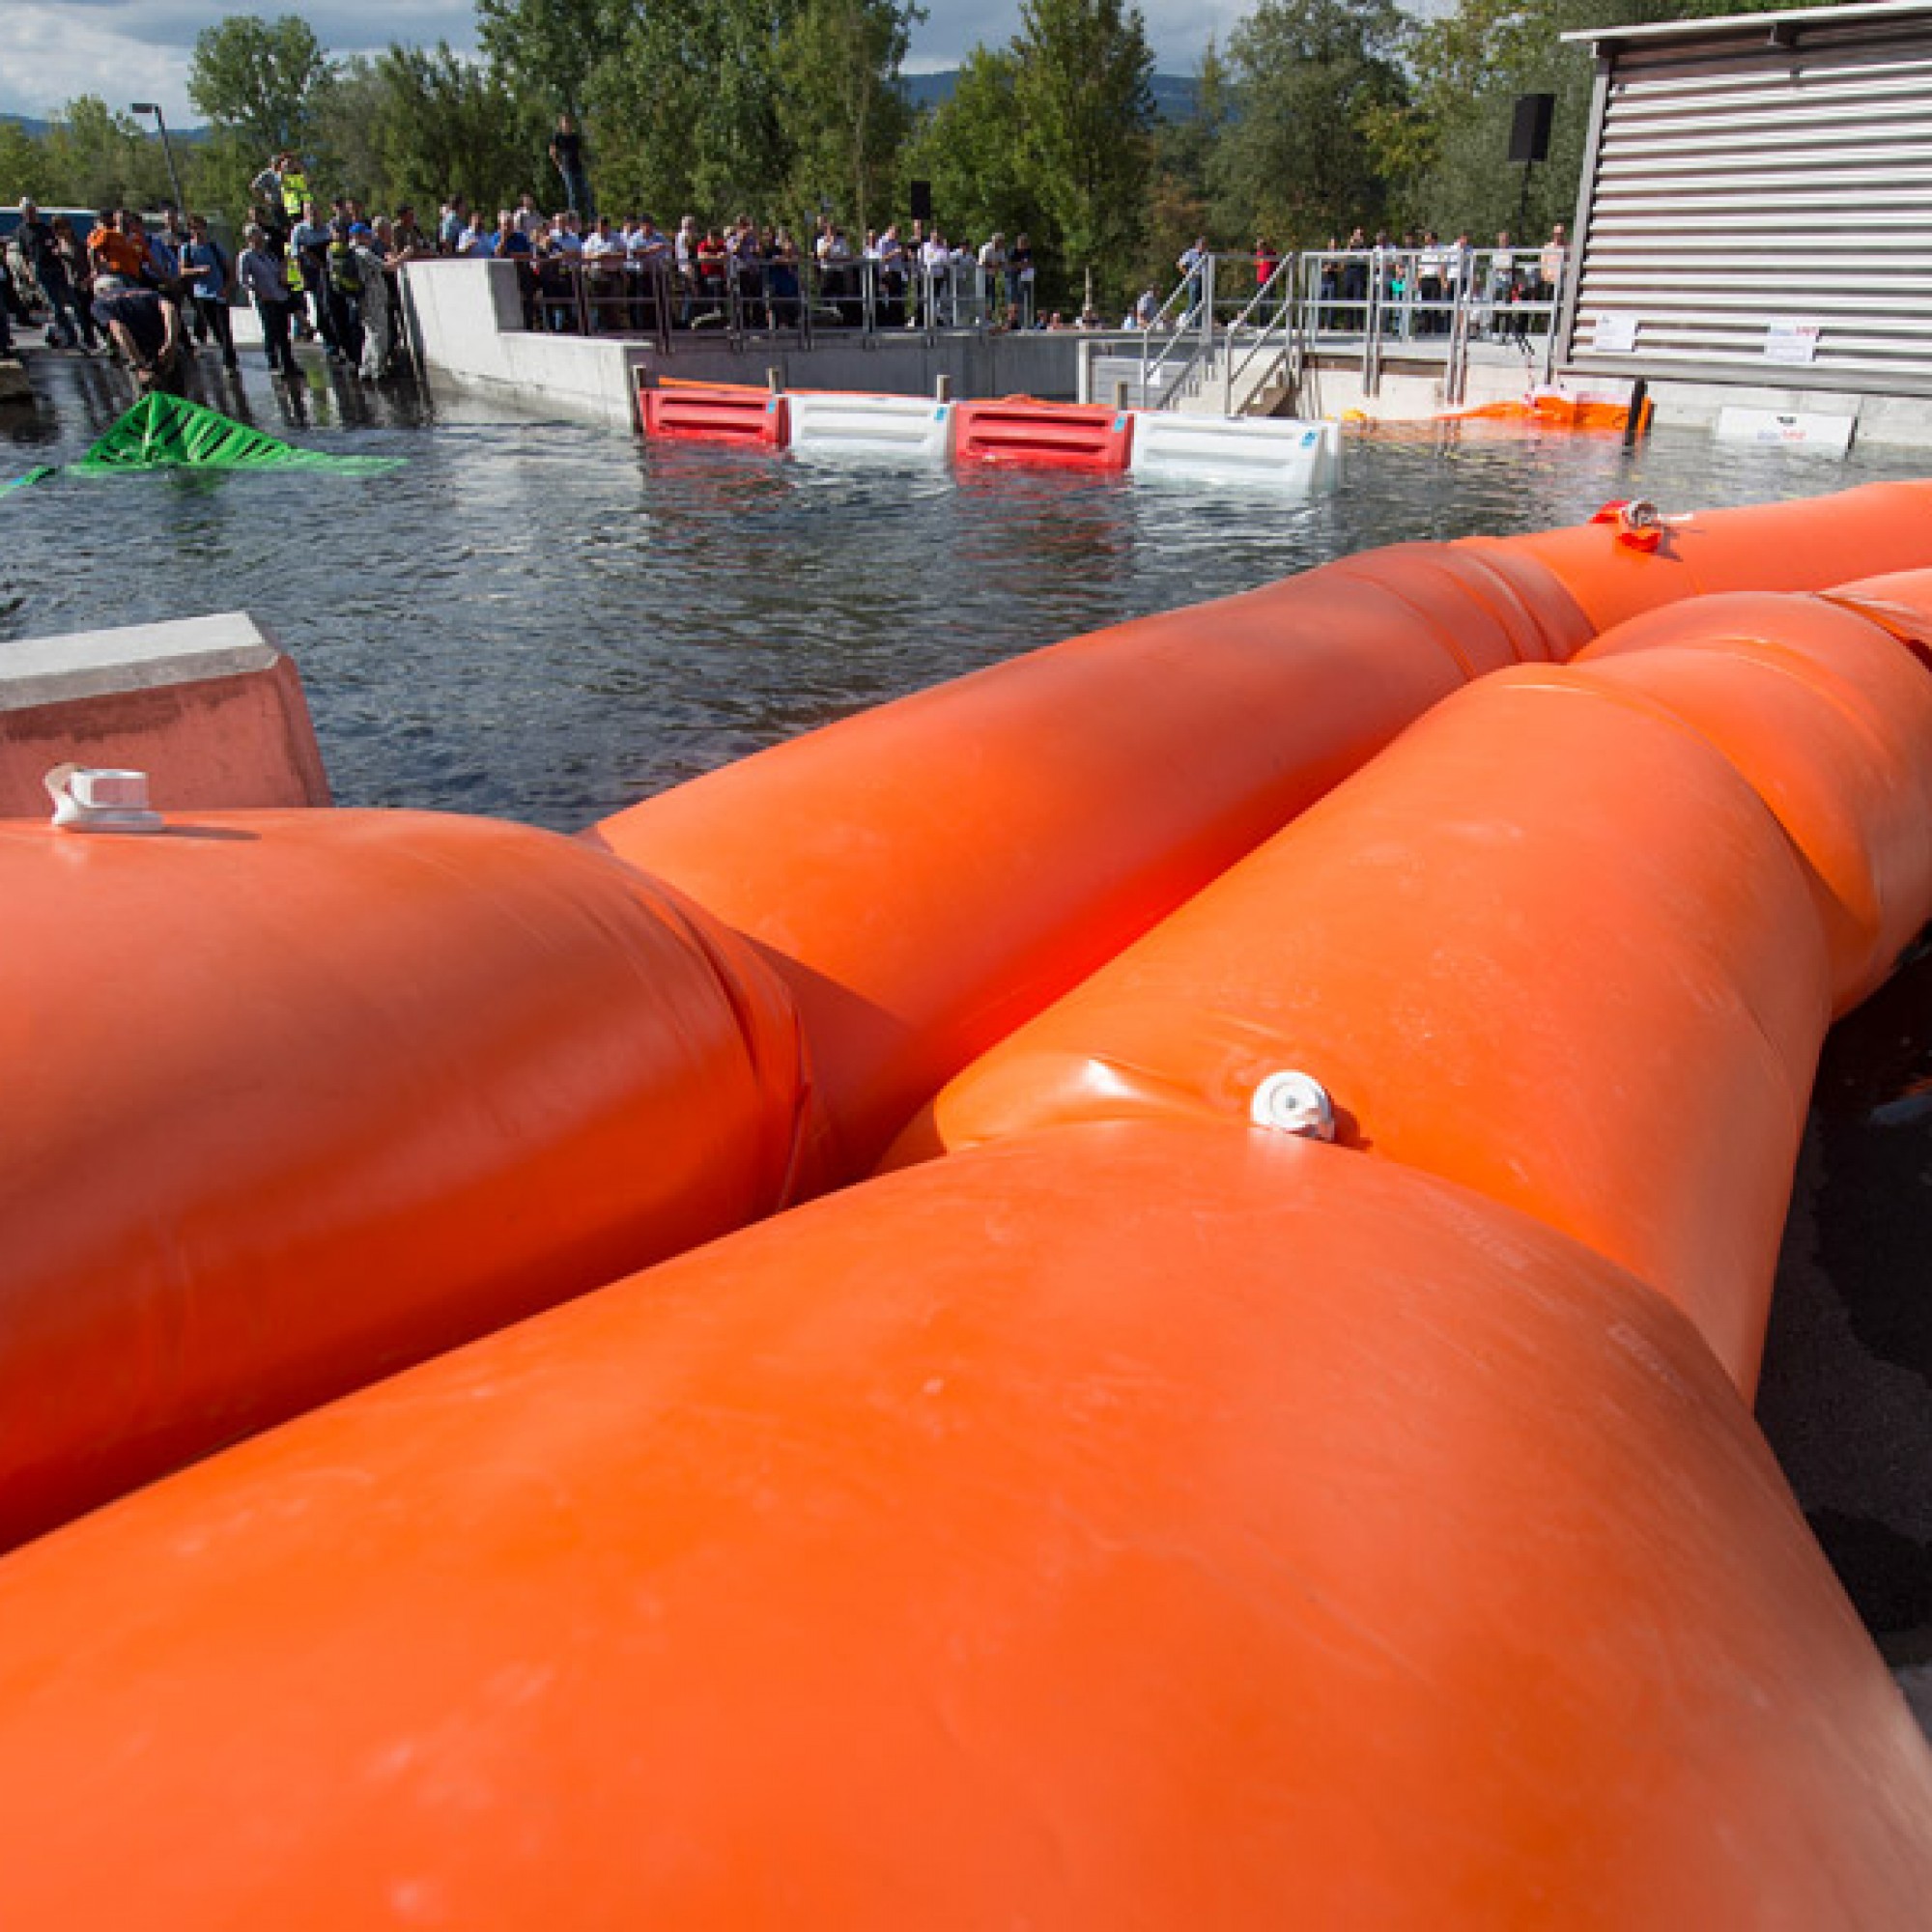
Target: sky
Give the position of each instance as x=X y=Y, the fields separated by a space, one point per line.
x=125 y=50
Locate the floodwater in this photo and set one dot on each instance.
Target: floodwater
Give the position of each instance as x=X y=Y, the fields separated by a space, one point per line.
x=546 y=621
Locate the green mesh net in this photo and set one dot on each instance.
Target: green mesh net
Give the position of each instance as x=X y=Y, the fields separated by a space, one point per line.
x=162 y=432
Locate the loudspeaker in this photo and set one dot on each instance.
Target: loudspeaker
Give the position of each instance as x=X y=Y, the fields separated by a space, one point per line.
x=1529 y=132
x=921 y=201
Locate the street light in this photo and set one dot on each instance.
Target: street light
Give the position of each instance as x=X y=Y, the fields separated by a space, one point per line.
x=154 y=108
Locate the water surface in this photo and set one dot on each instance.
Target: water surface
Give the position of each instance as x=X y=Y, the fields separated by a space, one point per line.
x=544 y=620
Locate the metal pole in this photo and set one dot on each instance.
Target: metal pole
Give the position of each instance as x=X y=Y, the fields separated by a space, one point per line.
x=1635 y=422
x=167 y=147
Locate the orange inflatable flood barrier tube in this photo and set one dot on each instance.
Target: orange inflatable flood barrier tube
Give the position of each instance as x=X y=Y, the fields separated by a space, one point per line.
x=928 y=874
x=1549 y=946
x=1834 y=730
x=931 y=873
x=1143 y=1525
x=294 y=1098
x=1804 y=545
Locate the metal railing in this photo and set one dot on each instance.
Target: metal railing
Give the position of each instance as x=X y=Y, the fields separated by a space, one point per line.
x=1224 y=326
x=1217 y=327
x=654 y=298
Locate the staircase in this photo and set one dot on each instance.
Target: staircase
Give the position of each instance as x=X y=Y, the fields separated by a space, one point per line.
x=1198 y=384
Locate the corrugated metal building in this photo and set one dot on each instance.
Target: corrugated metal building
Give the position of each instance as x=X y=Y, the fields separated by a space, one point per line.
x=1756 y=202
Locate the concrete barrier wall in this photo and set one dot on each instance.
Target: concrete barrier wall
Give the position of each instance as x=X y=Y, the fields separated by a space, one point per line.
x=468 y=327
x=468 y=323
x=210 y=708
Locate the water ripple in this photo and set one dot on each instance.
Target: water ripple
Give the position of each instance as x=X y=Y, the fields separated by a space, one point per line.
x=545 y=620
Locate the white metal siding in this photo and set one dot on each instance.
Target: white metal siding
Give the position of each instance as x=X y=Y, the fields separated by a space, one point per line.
x=1738 y=184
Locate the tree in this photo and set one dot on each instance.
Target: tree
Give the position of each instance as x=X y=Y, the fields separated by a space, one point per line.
x=261 y=81
x=25 y=165
x=1312 y=79
x=435 y=123
x=841 y=110
x=1180 y=188
x=969 y=151
x=98 y=158
x=1086 y=112
x=553 y=46
x=686 y=116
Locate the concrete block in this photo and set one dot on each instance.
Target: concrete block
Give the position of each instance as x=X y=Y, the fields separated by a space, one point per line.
x=210 y=708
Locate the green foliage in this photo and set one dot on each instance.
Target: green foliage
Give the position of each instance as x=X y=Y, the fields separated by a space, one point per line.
x=1086 y=119
x=434 y=123
x=969 y=150
x=1313 y=80
x=262 y=82
x=25 y=168
x=1180 y=187
x=841 y=111
x=686 y=116
x=216 y=172
x=98 y=158
x=552 y=47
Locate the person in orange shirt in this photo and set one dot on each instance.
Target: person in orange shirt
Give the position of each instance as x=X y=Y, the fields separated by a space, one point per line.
x=114 y=251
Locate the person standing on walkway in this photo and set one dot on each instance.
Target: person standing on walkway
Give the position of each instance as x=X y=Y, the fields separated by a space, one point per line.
x=308 y=254
x=66 y=321
x=1193 y=268
x=265 y=281
x=566 y=154
x=1549 y=266
x=209 y=277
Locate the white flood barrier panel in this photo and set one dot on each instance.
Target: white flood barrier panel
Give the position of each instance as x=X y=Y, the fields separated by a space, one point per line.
x=1814 y=434
x=871 y=429
x=1298 y=457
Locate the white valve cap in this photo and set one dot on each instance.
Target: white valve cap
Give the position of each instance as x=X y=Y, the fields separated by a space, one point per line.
x=1294 y=1103
x=91 y=798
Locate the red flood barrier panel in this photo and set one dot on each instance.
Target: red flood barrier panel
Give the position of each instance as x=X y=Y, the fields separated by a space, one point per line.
x=1142 y=1526
x=1549 y=945
x=695 y=414
x=928 y=874
x=1044 y=436
x=294 y=1098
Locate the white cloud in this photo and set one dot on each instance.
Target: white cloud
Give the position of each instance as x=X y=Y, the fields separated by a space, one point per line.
x=123 y=50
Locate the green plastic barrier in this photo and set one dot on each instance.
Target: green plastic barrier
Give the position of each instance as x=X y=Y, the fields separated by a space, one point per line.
x=163 y=431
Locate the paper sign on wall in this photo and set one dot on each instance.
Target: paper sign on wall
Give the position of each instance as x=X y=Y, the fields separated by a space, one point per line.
x=1615 y=335
x=1791 y=342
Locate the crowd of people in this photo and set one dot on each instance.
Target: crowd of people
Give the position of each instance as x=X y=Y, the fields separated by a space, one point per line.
x=155 y=297
x=327 y=273
x=593 y=272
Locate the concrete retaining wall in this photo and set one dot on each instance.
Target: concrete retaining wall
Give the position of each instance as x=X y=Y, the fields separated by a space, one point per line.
x=209 y=707
x=469 y=328
x=468 y=323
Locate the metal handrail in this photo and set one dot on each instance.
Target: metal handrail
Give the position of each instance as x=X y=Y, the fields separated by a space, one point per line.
x=1275 y=335
x=1342 y=302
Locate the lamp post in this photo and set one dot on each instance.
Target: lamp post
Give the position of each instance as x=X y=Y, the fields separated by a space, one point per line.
x=167 y=147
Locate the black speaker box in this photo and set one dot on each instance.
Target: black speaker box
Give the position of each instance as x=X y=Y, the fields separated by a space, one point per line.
x=1529 y=132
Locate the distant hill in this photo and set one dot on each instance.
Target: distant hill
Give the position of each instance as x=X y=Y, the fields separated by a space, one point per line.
x=1172 y=93
x=38 y=128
